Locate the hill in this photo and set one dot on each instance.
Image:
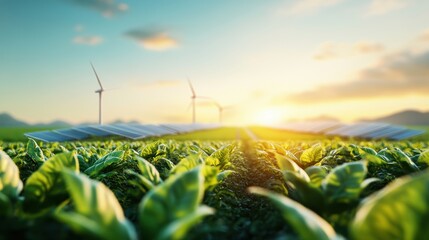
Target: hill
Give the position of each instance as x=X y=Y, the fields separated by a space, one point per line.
x=407 y=117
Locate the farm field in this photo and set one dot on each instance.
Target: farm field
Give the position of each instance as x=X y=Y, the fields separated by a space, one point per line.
x=214 y=189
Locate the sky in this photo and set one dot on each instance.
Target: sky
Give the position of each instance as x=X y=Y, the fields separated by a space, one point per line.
x=264 y=61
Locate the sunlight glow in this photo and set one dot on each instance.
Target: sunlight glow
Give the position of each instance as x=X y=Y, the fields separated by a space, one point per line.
x=270 y=116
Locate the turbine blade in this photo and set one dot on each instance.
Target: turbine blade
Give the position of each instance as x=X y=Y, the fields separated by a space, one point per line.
x=189 y=106
x=192 y=88
x=96 y=75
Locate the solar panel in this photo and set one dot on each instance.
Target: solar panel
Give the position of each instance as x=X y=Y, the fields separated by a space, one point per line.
x=386 y=132
x=129 y=128
x=364 y=128
x=92 y=131
x=48 y=136
x=154 y=129
x=118 y=131
x=407 y=134
x=70 y=132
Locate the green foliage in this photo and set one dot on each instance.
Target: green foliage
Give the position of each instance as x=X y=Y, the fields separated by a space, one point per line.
x=45 y=187
x=343 y=184
x=96 y=213
x=312 y=155
x=424 y=157
x=400 y=211
x=109 y=159
x=35 y=152
x=10 y=184
x=176 y=202
x=307 y=224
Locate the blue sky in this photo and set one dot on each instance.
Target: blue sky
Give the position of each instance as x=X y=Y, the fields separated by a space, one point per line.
x=271 y=60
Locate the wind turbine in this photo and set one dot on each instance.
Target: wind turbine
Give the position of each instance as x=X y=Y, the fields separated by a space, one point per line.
x=221 y=109
x=100 y=94
x=194 y=96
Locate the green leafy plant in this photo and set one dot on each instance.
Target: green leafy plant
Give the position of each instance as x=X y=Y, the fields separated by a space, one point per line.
x=173 y=207
x=96 y=211
x=45 y=188
x=10 y=183
x=400 y=211
x=307 y=224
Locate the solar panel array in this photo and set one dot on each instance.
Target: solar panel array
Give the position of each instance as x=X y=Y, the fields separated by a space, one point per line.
x=365 y=130
x=130 y=131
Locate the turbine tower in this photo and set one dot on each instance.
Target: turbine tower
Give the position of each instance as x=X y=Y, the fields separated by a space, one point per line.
x=221 y=109
x=194 y=96
x=100 y=95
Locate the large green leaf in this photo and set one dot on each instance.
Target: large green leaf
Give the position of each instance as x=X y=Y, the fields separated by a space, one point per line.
x=343 y=183
x=316 y=174
x=104 y=162
x=304 y=192
x=307 y=224
x=404 y=159
x=170 y=203
x=35 y=152
x=148 y=170
x=97 y=212
x=287 y=164
x=424 y=157
x=45 y=187
x=10 y=183
x=312 y=155
x=187 y=164
x=399 y=211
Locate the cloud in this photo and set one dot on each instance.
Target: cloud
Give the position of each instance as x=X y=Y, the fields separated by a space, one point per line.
x=330 y=50
x=88 y=40
x=380 y=7
x=424 y=37
x=107 y=8
x=309 y=6
x=161 y=84
x=152 y=39
x=397 y=75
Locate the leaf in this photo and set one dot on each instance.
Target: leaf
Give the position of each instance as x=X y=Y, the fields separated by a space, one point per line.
x=307 y=224
x=45 y=187
x=104 y=162
x=96 y=210
x=424 y=157
x=403 y=158
x=312 y=155
x=177 y=198
x=179 y=228
x=148 y=170
x=343 y=183
x=316 y=174
x=286 y=164
x=35 y=152
x=305 y=192
x=187 y=164
x=10 y=183
x=399 y=211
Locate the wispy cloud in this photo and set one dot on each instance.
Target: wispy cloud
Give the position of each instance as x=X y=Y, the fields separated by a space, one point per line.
x=380 y=7
x=153 y=39
x=300 y=7
x=88 y=40
x=424 y=36
x=330 y=50
x=107 y=8
x=402 y=74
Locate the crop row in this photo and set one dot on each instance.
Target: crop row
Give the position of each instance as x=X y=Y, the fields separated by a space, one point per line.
x=210 y=190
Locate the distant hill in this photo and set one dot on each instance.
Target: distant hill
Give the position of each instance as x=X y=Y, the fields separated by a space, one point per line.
x=407 y=117
x=6 y=120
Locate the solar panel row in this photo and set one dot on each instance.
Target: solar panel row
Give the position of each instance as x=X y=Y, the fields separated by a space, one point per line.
x=131 y=131
x=365 y=130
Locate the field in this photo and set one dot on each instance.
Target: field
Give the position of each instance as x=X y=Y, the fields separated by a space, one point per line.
x=217 y=184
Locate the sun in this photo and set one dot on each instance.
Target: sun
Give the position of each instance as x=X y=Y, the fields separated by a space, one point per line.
x=269 y=116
